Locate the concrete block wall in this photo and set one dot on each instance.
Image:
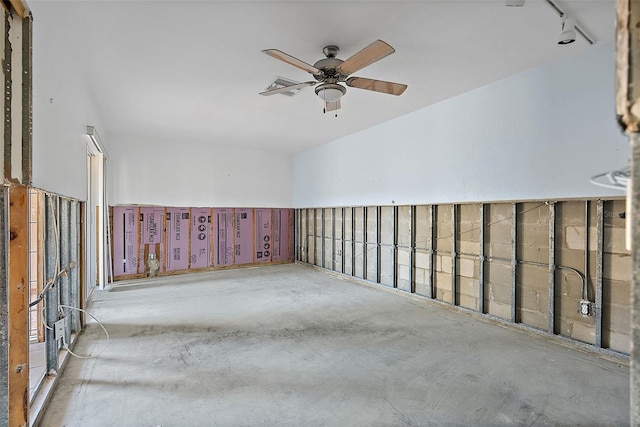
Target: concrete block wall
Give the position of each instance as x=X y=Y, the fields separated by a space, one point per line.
x=467 y=259
x=404 y=247
x=616 y=310
x=497 y=247
x=528 y=262
x=443 y=246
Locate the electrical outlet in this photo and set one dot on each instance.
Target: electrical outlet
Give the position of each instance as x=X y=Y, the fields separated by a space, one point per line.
x=585 y=307
x=58 y=329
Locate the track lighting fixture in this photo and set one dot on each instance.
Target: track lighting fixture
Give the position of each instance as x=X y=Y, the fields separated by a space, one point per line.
x=568 y=34
x=569 y=26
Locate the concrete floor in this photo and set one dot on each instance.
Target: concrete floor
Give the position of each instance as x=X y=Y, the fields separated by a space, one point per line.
x=291 y=345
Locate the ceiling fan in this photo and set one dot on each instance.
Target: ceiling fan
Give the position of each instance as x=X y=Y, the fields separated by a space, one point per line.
x=329 y=72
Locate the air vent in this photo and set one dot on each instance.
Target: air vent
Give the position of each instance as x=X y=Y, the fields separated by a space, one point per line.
x=282 y=82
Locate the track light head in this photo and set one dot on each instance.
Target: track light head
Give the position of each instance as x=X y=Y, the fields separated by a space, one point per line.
x=568 y=34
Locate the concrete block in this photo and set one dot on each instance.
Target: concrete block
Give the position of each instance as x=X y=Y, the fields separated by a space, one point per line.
x=531 y=300
x=404 y=257
x=617 y=318
x=386 y=278
x=570 y=213
x=618 y=342
x=617 y=267
x=422 y=259
x=499 y=309
x=443 y=240
x=612 y=211
x=614 y=240
x=386 y=268
x=442 y=279
x=500 y=250
x=444 y=295
x=533 y=212
x=422 y=289
x=563 y=327
x=534 y=254
x=467 y=267
x=404 y=285
x=570 y=258
x=404 y=272
x=568 y=284
x=498 y=272
x=535 y=319
x=616 y=292
x=467 y=286
x=420 y=275
x=445 y=263
x=575 y=237
x=468 y=301
x=499 y=213
x=469 y=248
x=499 y=293
x=536 y=234
x=533 y=277
x=584 y=332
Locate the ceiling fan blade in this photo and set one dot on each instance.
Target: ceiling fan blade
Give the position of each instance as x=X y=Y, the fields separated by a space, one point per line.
x=285 y=57
x=332 y=106
x=376 y=85
x=370 y=54
x=286 y=88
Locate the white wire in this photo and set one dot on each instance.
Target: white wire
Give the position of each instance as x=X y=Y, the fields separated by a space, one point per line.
x=64 y=341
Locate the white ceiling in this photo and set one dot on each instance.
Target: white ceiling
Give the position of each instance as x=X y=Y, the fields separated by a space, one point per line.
x=191 y=70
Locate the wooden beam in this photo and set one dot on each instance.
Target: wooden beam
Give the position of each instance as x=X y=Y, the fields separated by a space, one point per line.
x=18 y=301
x=20 y=8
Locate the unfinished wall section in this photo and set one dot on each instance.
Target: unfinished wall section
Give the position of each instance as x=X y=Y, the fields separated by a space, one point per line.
x=154 y=241
x=558 y=267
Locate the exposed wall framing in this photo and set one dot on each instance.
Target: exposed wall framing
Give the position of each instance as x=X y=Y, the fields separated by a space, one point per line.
x=527 y=263
x=152 y=240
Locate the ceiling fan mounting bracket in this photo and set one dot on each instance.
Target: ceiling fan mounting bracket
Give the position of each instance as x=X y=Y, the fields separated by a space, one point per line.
x=331 y=51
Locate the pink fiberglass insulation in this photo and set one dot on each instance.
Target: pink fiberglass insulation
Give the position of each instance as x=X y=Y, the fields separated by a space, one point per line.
x=177 y=255
x=281 y=231
x=151 y=230
x=124 y=239
x=222 y=237
x=200 y=238
x=243 y=229
x=262 y=235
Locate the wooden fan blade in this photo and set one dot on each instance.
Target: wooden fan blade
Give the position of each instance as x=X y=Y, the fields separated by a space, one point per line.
x=332 y=106
x=376 y=85
x=370 y=54
x=285 y=57
x=286 y=88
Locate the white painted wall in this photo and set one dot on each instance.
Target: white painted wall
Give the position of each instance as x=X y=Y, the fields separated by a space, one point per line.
x=179 y=173
x=62 y=106
x=540 y=134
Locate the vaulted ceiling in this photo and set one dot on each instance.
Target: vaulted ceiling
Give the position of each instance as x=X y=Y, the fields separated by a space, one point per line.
x=192 y=70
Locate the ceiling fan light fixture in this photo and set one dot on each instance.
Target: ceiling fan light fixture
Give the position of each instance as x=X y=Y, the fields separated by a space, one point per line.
x=330 y=92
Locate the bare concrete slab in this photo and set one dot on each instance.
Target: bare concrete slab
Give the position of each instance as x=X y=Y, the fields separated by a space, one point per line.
x=291 y=345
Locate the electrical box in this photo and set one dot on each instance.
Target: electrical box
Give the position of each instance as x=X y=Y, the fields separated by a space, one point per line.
x=585 y=308
x=58 y=329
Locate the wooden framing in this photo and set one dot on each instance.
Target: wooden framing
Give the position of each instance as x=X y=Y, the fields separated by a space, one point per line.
x=18 y=302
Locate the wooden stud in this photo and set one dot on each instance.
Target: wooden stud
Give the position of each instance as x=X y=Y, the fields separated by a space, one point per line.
x=18 y=301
